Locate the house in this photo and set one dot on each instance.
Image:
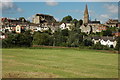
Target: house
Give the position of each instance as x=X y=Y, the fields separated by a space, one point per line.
x=2 y=36
x=42 y=18
x=39 y=27
x=18 y=29
x=55 y=26
x=66 y=26
x=116 y=34
x=102 y=27
x=112 y=23
x=105 y=40
x=94 y=24
x=85 y=28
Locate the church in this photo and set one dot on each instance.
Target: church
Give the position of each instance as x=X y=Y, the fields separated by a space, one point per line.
x=88 y=25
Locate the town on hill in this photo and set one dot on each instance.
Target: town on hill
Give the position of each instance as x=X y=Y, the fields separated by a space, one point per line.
x=45 y=30
x=51 y=45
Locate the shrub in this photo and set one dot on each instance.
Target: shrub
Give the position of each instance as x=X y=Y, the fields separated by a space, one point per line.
x=17 y=40
x=98 y=46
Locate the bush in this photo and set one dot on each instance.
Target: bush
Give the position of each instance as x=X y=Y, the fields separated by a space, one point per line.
x=98 y=46
x=41 y=39
x=87 y=43
x=118 y=44
x=17 y=40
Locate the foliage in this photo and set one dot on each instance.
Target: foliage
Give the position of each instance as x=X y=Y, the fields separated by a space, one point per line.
x=75 y=21
x=22 y=19
x=118 y=44
x=17 y=40
x=98 y=46
x=87 y=42
x=41 y=38
x=64 y=32
x=108 y=32
x=80 y=21
x=60 y=37
x=67 y=19
x=75 y=38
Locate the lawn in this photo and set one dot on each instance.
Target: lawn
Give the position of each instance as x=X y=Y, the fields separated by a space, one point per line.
x=59 y=63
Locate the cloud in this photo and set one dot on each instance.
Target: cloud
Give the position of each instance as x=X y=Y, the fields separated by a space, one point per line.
x=101 y=17
x=19 y=10
x=104 y=16
x=30 y=18
x=57 y=19
x=6 y=5
x=9 y=7
x=51 y=2
x=111 y=8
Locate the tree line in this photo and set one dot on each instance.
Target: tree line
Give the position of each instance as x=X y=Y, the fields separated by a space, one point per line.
x=66 y=38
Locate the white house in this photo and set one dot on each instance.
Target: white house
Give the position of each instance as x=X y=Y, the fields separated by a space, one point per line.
x=107 y=41
x=66 y=26
x=2 y=36
x=18 y=29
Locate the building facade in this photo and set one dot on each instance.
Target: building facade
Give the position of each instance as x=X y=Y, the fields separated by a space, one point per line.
x=43 y=18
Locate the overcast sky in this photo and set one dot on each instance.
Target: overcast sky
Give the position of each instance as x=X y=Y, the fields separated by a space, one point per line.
x=97 y=10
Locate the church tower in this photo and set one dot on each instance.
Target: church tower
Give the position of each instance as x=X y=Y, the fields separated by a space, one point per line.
x=86 y=15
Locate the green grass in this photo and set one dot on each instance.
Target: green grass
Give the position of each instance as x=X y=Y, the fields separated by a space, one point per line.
x=59 y=63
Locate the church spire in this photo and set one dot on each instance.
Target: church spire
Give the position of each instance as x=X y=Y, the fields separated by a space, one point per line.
x=86 y=15
x=86 y=9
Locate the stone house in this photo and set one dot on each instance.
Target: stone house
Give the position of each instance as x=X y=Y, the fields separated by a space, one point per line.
x=85 y=28
x=42 y=18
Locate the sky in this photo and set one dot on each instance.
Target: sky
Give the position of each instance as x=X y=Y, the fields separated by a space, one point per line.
x=97 y=10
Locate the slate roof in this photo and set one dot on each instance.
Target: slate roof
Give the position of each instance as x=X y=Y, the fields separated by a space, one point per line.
x=98 y=22
x=43 y=15
x=105 y=38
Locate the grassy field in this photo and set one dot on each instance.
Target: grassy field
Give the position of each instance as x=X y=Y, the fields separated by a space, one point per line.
x=59 y=63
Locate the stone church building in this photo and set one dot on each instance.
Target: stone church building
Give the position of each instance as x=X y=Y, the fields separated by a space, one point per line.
x=88 y=25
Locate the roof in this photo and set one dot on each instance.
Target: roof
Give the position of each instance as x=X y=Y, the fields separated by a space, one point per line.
x=95 y=22
x=114 y=21
x=96 y=37
x=105 y=38
x=43 y=15
x=108 y=38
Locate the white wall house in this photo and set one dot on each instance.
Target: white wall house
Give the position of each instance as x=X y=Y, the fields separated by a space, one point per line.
x=107 y=41
x=2 y=36
x=39 y=28
x=18 y=29
x=66 y=26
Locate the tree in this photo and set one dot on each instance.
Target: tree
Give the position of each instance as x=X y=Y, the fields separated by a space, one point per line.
x=118 y=44
x=64 y=32
x=75 y=21
x=22 y=19
x=80 y=22
x=108 y=32
x=41 y=38
x=88 y=42
x=74 y=39
x=67 y=19
x=17 y=40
